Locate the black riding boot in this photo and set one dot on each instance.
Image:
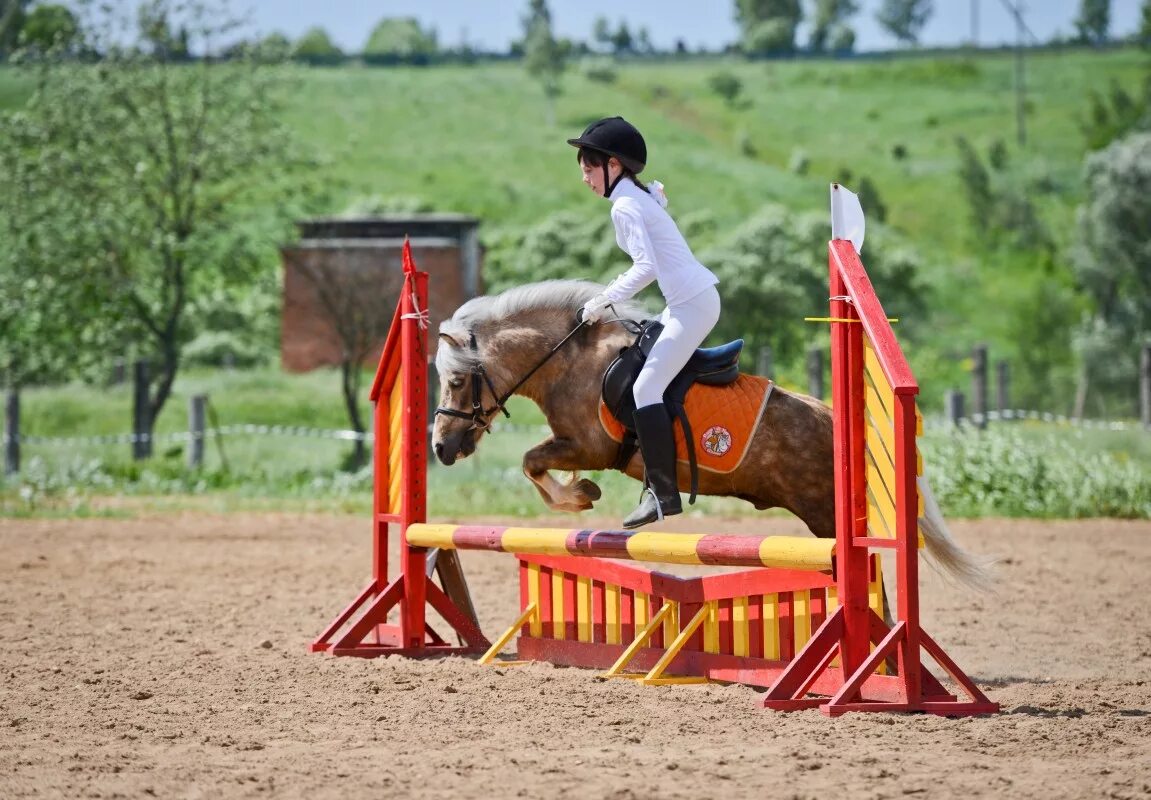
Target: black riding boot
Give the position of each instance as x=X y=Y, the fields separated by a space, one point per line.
x=657 y=443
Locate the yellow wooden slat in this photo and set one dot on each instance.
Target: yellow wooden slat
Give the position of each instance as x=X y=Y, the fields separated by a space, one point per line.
x=801 y=617
x=583 y=609
x=740 y=627
x=500 y=643
x=881 y=444
x=614 y=630
x=677 y=644
x=536 y=628
x=874 y=372
x=558 y=629
x=397 y=451
x=879 y=496
x=877 y=524
x=641 y=615
x=711 y=629
x=671 y=625
x=644 y=633
x=771 y=627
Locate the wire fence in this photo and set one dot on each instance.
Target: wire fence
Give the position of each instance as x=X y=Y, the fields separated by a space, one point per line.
x=336 y=434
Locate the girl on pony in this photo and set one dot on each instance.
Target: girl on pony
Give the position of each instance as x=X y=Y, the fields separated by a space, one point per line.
x=612 y=153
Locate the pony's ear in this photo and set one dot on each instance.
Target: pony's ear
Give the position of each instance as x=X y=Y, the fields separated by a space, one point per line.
x=451 y=340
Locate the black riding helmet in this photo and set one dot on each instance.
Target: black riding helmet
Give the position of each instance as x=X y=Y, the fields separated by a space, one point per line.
x=617 y=137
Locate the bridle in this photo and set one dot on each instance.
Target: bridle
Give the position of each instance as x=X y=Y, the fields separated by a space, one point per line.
x=479 y=375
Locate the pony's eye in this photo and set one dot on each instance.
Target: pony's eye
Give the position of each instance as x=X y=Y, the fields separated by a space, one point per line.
x=455 y=383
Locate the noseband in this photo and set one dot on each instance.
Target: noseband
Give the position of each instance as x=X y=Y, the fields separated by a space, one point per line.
x=479 y=415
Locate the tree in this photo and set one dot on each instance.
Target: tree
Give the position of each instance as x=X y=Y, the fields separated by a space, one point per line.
x=830 y=21
x=904 y=19
x=622 y=41
x=274 y=47
x=643 y=42
x=156 y=31
x=767 y=272
x=348 y=290
x=401 y=39
x=842 y=39
x=49 y=26
x=768 y=26
x=11 y=23
x=544 y=57
x=1144 y=35
x=601 y=33
x=136 y=181
x=1111 y=259
x=316 y=47
x=1094 y=21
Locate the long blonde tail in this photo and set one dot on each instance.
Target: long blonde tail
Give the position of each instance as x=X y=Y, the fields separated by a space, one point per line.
x=945 y=551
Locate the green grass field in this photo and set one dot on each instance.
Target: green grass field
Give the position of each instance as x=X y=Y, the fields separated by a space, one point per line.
x=1016 y=469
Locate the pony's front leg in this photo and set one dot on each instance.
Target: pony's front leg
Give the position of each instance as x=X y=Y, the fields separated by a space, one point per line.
x=578 y=494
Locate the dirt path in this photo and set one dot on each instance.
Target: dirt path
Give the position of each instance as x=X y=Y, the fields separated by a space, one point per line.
x=166 y=657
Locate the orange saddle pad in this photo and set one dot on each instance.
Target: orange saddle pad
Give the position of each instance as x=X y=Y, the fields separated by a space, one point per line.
x=723 y=419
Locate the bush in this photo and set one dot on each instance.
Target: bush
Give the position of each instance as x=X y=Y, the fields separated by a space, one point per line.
x=726 y=85
x=601 y=72
x=799 y=162
x=744 y=144
x=223 y=349
x=1002 y=472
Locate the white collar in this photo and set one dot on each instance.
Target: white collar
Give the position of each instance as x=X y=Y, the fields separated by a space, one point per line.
x=625 y=187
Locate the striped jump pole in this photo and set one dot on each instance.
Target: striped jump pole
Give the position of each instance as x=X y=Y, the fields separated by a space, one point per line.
x=785 y=552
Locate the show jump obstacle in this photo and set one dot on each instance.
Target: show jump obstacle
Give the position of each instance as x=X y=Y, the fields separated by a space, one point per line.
x=805 y=619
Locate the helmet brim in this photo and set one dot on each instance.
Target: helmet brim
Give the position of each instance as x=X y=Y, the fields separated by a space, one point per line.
x=635 y=166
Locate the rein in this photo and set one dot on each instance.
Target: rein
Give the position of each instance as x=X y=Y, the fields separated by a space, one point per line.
x=479 y=414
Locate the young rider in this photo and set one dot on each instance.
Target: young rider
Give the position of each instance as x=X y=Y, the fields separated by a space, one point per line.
x=612 y=153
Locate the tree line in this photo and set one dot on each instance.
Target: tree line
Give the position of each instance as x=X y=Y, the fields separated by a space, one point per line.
x=767 y=28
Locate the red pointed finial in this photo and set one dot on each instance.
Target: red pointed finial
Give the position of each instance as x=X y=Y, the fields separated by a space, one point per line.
x=409 y=263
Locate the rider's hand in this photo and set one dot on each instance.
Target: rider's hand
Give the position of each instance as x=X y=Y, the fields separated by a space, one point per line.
x=597 y=309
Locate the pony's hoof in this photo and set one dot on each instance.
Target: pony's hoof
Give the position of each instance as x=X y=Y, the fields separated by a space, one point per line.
x=588 y=489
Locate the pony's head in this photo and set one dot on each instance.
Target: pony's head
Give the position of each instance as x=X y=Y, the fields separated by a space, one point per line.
x=489 y=345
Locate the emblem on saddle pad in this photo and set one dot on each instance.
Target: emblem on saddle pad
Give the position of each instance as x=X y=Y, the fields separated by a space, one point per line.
x=716 y=440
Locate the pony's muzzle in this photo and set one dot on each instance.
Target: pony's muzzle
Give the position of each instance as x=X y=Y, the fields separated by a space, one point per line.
x=454 y=446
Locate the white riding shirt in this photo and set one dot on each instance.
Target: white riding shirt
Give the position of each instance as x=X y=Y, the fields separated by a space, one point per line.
x=647 y=233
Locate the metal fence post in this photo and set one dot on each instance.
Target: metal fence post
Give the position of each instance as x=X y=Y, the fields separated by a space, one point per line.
x=764 y=363
x=1145 y=386
x=953 y=404
x=815 y=372
x=979 y=385
x=141 y=414
x=1002 y=388
x=12 y=432
x=197 y=417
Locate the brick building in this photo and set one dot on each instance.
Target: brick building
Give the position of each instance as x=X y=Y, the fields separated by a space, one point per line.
x=367 y=251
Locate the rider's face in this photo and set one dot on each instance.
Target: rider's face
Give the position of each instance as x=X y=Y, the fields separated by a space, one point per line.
x=593 y=175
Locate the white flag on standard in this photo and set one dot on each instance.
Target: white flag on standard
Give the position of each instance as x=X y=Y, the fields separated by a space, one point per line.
x=847 y=216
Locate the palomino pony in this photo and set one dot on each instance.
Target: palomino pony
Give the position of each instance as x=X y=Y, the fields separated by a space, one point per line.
x=491 y=344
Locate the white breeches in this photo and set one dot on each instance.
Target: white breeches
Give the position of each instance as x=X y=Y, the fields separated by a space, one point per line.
x=685 y=326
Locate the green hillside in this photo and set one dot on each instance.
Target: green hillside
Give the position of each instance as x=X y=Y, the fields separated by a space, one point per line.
x=477 y=140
